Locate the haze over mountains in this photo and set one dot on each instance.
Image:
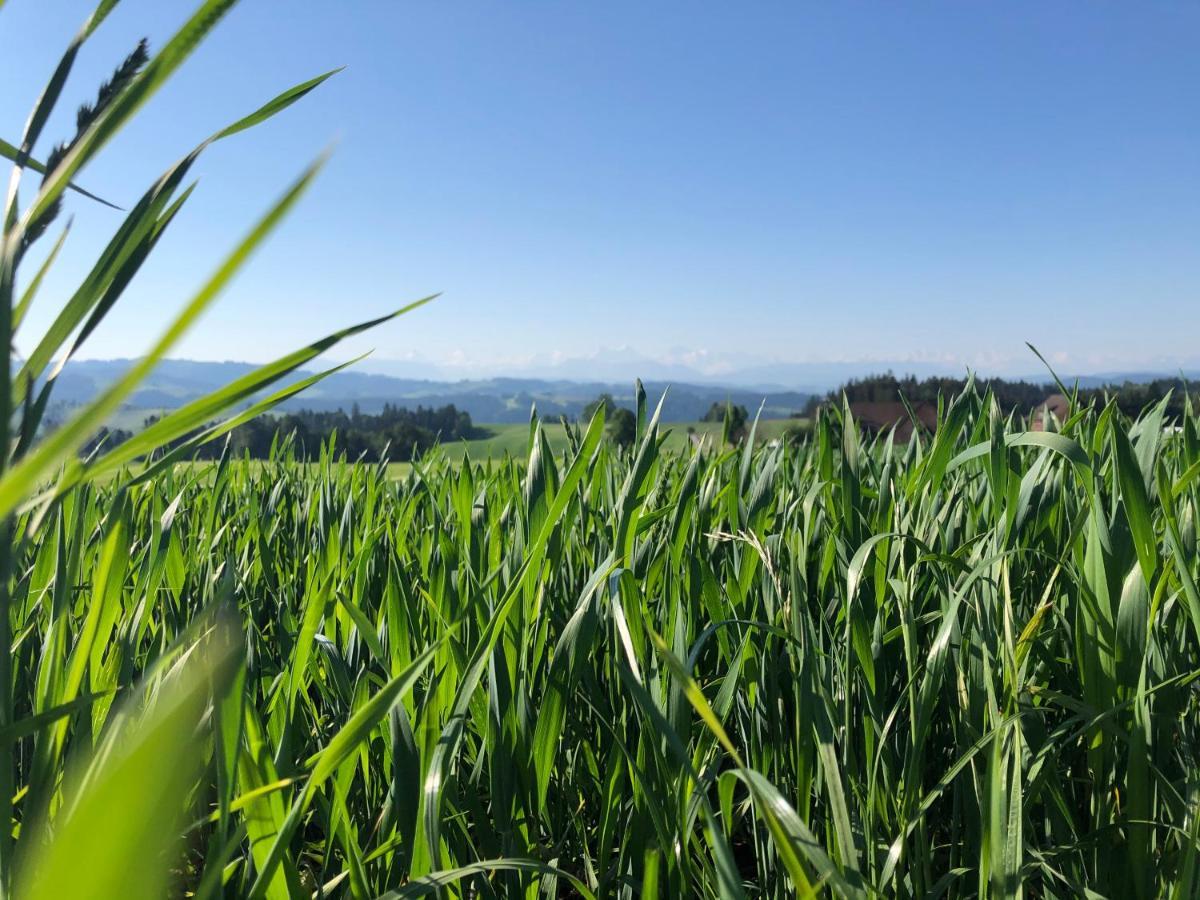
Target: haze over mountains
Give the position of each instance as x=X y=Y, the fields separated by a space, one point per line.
x=620 y=365
x=497 y=400
x=783 y=389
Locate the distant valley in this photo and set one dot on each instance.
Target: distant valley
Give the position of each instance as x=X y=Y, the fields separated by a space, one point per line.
x=498 y=400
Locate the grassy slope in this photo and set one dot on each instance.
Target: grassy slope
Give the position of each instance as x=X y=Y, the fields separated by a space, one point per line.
x=514 y=439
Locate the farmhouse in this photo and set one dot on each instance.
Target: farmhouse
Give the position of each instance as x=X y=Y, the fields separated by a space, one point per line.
x=1055 y=404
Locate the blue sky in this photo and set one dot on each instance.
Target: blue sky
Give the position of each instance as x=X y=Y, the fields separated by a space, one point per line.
x=712 y=183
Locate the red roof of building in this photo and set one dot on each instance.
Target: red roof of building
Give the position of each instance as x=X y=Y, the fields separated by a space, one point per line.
x=1056 y=404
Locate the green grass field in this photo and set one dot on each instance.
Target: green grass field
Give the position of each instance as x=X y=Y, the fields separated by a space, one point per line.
x=507 y=440
x=513 y=440
x=965 y=666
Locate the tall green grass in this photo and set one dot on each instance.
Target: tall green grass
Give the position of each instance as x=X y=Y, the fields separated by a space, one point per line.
x=100 y=816
x=960 y=667
x=963 y=667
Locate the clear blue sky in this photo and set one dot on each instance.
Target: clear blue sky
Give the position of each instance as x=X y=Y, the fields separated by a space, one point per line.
x=786 y=181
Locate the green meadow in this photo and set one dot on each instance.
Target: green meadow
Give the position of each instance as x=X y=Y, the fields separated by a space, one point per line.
x=962 y=666
x=505 y=441
x=513 y=440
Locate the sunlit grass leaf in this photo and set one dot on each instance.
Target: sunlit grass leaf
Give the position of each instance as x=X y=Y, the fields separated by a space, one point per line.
x=19 y=481
x=118 y=834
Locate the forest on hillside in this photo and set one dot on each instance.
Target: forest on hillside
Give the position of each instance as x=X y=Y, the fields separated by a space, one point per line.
x=396 y=434
x=1021 y=397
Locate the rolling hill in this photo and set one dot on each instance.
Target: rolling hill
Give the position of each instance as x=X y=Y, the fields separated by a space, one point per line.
x=495 y=400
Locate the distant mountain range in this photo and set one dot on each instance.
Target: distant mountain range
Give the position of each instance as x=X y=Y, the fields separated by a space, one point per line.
x=509 y=399
x=620 y=365
x=491 y=400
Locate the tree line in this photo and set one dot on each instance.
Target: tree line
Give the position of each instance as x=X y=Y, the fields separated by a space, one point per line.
x=621 y=425
x=395 y=433
x=1019 y=396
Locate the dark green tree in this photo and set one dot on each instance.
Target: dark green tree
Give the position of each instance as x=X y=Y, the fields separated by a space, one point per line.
x=716 y=412
x=621 y=427
x=620 y=424
x=733 y=418
x=605 y=400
